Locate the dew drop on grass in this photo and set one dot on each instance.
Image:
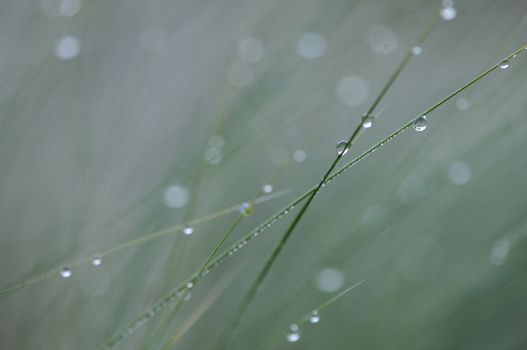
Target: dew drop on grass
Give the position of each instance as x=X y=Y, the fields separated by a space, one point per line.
x=341 y=148
x=267 y=188
x=505 y=64
x=299 y=155
x=367 y=121
x=97 y=260
x=294 y=334
x=417 y=50
x=65 y=272
x=246 y=209
x=314 y=318
x=188 y=230
x=448 y=13
x=190 y=285
x=329 y=280
x=67 y=48
x=176 y=196
x=419 y=123
x=499 y=252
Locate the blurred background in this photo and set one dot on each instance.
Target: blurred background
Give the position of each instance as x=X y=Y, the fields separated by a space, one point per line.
x=119 y=119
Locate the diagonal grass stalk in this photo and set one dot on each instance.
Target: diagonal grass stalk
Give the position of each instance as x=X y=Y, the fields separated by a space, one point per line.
x=255 y=286
x=135 y=242
x=175 y=293
x=314 y=312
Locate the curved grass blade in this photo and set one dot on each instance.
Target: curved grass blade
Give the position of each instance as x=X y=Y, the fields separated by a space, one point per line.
x=255 y=286
x=163 y=302
x=138 y=241
x=307 y=318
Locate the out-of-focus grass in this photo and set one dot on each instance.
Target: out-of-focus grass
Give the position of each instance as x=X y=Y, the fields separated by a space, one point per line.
x=88 y=146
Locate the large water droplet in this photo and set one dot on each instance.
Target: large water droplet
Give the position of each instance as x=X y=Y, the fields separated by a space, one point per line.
x=505 y=64
x=176 y=196
x=299 y=155
x=67 y=48
x=246 y=209
x=417 y=50
x=341 y=148
x=294 y=334
x=267 y=188
x=65 y=272
x=311 y=45
x=367 y=121
x=314 y=318
x=69 y=8
x=97 y=260
x=329 y=280
x=499 y=252
x=419 y=123
x=448 y=13
x=188 y=230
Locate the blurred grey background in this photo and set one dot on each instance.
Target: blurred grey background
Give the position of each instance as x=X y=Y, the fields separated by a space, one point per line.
x=121 y=118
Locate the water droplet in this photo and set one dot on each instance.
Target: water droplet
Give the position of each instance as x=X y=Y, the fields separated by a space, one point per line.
x=505 y=64
x=294 y=334
x=341 y=148
x=311 y=45
x=353 y=90
x=213 y=156
x=267 y=188
x=65 y=272
x=69 y=8
x=67 y=48
x=448 y=13
x=299 y=156
x=97 y=260
x=499 y=252
x=417 y=50
x=382 y=40
x=460 y=173
x=329 y=280
x=187 y=296
x=314 y=318
x=176 y=196
x=188 y=230
x=190 y=285
x=246 y=209
x=462 y=103
x=419 y=123
x=367 y=121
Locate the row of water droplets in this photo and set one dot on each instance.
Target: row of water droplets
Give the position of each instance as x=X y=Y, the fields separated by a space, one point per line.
x=253 y=234
x=182 y=293
x=66 y=272
x=245 y=209
x=419 y=124
x=293 y=335
x=447 y=12
x=367 y=122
